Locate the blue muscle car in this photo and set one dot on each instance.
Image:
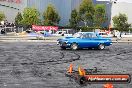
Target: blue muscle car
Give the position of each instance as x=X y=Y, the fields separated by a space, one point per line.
x=84 y=40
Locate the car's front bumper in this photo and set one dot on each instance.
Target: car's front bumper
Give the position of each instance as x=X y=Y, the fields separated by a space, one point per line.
x=63 y=44
x=108 y=43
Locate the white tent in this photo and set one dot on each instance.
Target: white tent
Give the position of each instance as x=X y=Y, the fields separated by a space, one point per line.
x=128 y=1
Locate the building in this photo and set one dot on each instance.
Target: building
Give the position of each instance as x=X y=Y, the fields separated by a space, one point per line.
x=114 y=7
x=64 y=8
x=123 y=7
x=108 y=10
x=12 y=7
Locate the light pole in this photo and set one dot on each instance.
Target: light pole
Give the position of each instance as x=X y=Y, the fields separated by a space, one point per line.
x=85 y=23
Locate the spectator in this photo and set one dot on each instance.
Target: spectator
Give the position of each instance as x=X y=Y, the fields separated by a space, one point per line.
x=2 y=31
x=5 y=23
x=12 y=24
x=9 y=25
x=118 y=35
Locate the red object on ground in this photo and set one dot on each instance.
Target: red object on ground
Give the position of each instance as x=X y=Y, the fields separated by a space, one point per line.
x=108 y=85
x=41 y=28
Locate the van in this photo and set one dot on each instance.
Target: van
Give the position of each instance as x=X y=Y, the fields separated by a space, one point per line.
x=62 y=33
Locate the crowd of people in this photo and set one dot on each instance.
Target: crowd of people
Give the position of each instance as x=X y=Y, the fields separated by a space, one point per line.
x=4 y=26
x=7 y=24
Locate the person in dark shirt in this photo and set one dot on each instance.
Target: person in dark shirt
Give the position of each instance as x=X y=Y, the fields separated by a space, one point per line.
x=2 y=31
x=12 y=25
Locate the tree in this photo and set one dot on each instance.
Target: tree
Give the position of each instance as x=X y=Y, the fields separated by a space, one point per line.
x=100 y=15
x=31 y=16
x=18 y=19
x=2 y=16
x=51 y=17
x=74 y=18
x=120 y=22
x=86 y=11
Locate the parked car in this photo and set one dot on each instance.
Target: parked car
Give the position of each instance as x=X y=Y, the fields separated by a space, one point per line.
x=62 y=33
x=104 y=34
x=84 y=40
x=126 y=35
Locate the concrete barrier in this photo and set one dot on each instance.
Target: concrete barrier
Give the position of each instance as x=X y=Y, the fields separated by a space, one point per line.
x=121 y=40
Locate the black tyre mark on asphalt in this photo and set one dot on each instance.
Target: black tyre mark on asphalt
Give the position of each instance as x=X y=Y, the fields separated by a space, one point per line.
x=124 y=52
x=37 y=71
x=34 y=67
x=62 y=55
x=51 y=61
x=16 y=73
x=120 y=66
x=77 y=58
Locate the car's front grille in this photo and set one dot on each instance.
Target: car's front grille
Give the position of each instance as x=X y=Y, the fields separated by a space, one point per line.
x=64 y=44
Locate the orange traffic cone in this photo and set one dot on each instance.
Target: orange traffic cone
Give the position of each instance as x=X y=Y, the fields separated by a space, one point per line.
x=108 y=85
x=70 y=68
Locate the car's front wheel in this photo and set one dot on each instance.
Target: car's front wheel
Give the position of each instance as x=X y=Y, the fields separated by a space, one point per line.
x=101 y=47
x=63 y=48
x=74 y=46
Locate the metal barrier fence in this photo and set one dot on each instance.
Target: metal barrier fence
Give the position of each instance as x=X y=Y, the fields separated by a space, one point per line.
x=11 y=29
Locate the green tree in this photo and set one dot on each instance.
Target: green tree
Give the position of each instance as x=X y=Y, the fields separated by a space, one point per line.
x=100 y=15
x=86 y=11
x=2 y=16
x=120 y=22
x=74 y=18
x=18 y=19
x=31 y=16
x=51 y=17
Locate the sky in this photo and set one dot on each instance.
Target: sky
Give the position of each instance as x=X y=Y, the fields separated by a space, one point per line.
x=128 y=1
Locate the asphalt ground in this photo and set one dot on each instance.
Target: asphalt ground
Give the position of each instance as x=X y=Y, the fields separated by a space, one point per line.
x=43 y=65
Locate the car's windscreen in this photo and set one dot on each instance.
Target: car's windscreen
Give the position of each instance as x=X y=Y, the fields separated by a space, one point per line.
x=77 y=35
x=102 y=34
x=89 y=35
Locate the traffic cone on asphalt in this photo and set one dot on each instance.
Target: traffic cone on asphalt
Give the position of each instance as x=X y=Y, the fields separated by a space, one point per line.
x=70 y=68
x=108 y=85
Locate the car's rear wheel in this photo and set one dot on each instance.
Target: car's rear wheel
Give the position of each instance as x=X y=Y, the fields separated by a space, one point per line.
x=74 y=46
x=101 y=47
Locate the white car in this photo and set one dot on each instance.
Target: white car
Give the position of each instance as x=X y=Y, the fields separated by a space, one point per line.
x=126 y=35
x=104 y=34
x=62 y=33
